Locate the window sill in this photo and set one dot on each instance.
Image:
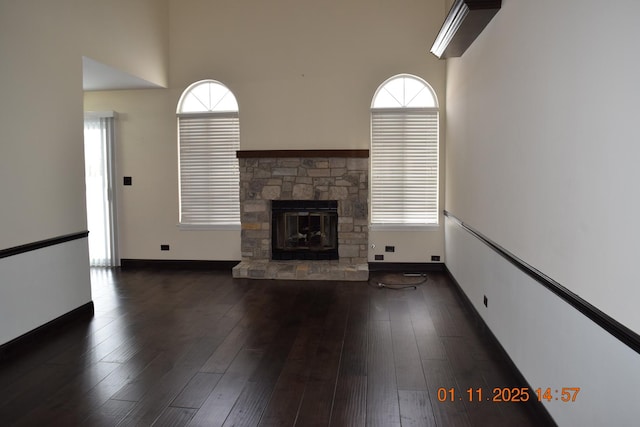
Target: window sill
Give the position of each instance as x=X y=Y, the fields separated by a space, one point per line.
x=404 y=227
x=203 y=227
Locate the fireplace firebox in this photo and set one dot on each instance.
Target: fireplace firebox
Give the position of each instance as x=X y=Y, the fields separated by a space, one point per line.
x=304 y=229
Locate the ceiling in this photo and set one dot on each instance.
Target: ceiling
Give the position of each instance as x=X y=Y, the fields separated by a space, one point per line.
x=97 y=76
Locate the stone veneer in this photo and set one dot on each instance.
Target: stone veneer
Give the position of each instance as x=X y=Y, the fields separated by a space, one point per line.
x=345 y=179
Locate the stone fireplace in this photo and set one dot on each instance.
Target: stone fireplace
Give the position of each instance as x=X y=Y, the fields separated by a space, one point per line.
x=311 y=192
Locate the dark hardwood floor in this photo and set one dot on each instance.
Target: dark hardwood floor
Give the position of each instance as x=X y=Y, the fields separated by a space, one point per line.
x=173 y=348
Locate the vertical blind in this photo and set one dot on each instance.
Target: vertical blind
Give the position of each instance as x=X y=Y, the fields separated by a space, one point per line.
x=404 y=166
x=98 y=149
x=209 y=173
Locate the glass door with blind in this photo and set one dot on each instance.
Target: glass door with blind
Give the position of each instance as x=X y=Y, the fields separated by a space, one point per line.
x=100 y=187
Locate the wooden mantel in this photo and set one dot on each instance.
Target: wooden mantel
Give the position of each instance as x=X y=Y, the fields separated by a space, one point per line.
x=248 y=154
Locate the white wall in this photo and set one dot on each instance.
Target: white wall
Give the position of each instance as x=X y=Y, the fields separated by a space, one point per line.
x=33 y=296
x=146 y=150
x=41 y=136
x=552 y=344
x=304 y=74
x=131 y=36
x=541 y=158
x=542 y=143
x=410 y=245
x=41 y=158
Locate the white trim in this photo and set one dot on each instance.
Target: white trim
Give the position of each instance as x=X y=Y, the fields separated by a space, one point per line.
x=404 y=227
x=229 y=113
x=192 y=227
x=194 y=85
x=402 y=76
x=99 y=114
x=406 y=109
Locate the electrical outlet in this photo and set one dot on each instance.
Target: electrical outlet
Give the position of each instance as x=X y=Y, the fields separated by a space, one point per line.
x=127 y=180
x=164 y=247
x=435 y=257
x=389 y=248
x=379 y=257
x=486 y=301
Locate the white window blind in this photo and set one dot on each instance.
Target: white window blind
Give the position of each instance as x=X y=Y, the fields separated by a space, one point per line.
x=404 y=166
x=209 y=175
x=404 y=154
x=209 y=137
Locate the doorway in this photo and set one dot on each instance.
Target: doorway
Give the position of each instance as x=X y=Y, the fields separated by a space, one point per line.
x=99 y=155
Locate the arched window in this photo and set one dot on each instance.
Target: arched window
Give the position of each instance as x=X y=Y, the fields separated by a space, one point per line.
x=208 y=138
x=404 y=154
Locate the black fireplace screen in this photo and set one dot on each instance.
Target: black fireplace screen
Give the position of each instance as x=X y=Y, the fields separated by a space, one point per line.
x=304 y=229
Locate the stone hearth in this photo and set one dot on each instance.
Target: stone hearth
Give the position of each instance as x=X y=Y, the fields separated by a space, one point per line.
x=264 y=178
